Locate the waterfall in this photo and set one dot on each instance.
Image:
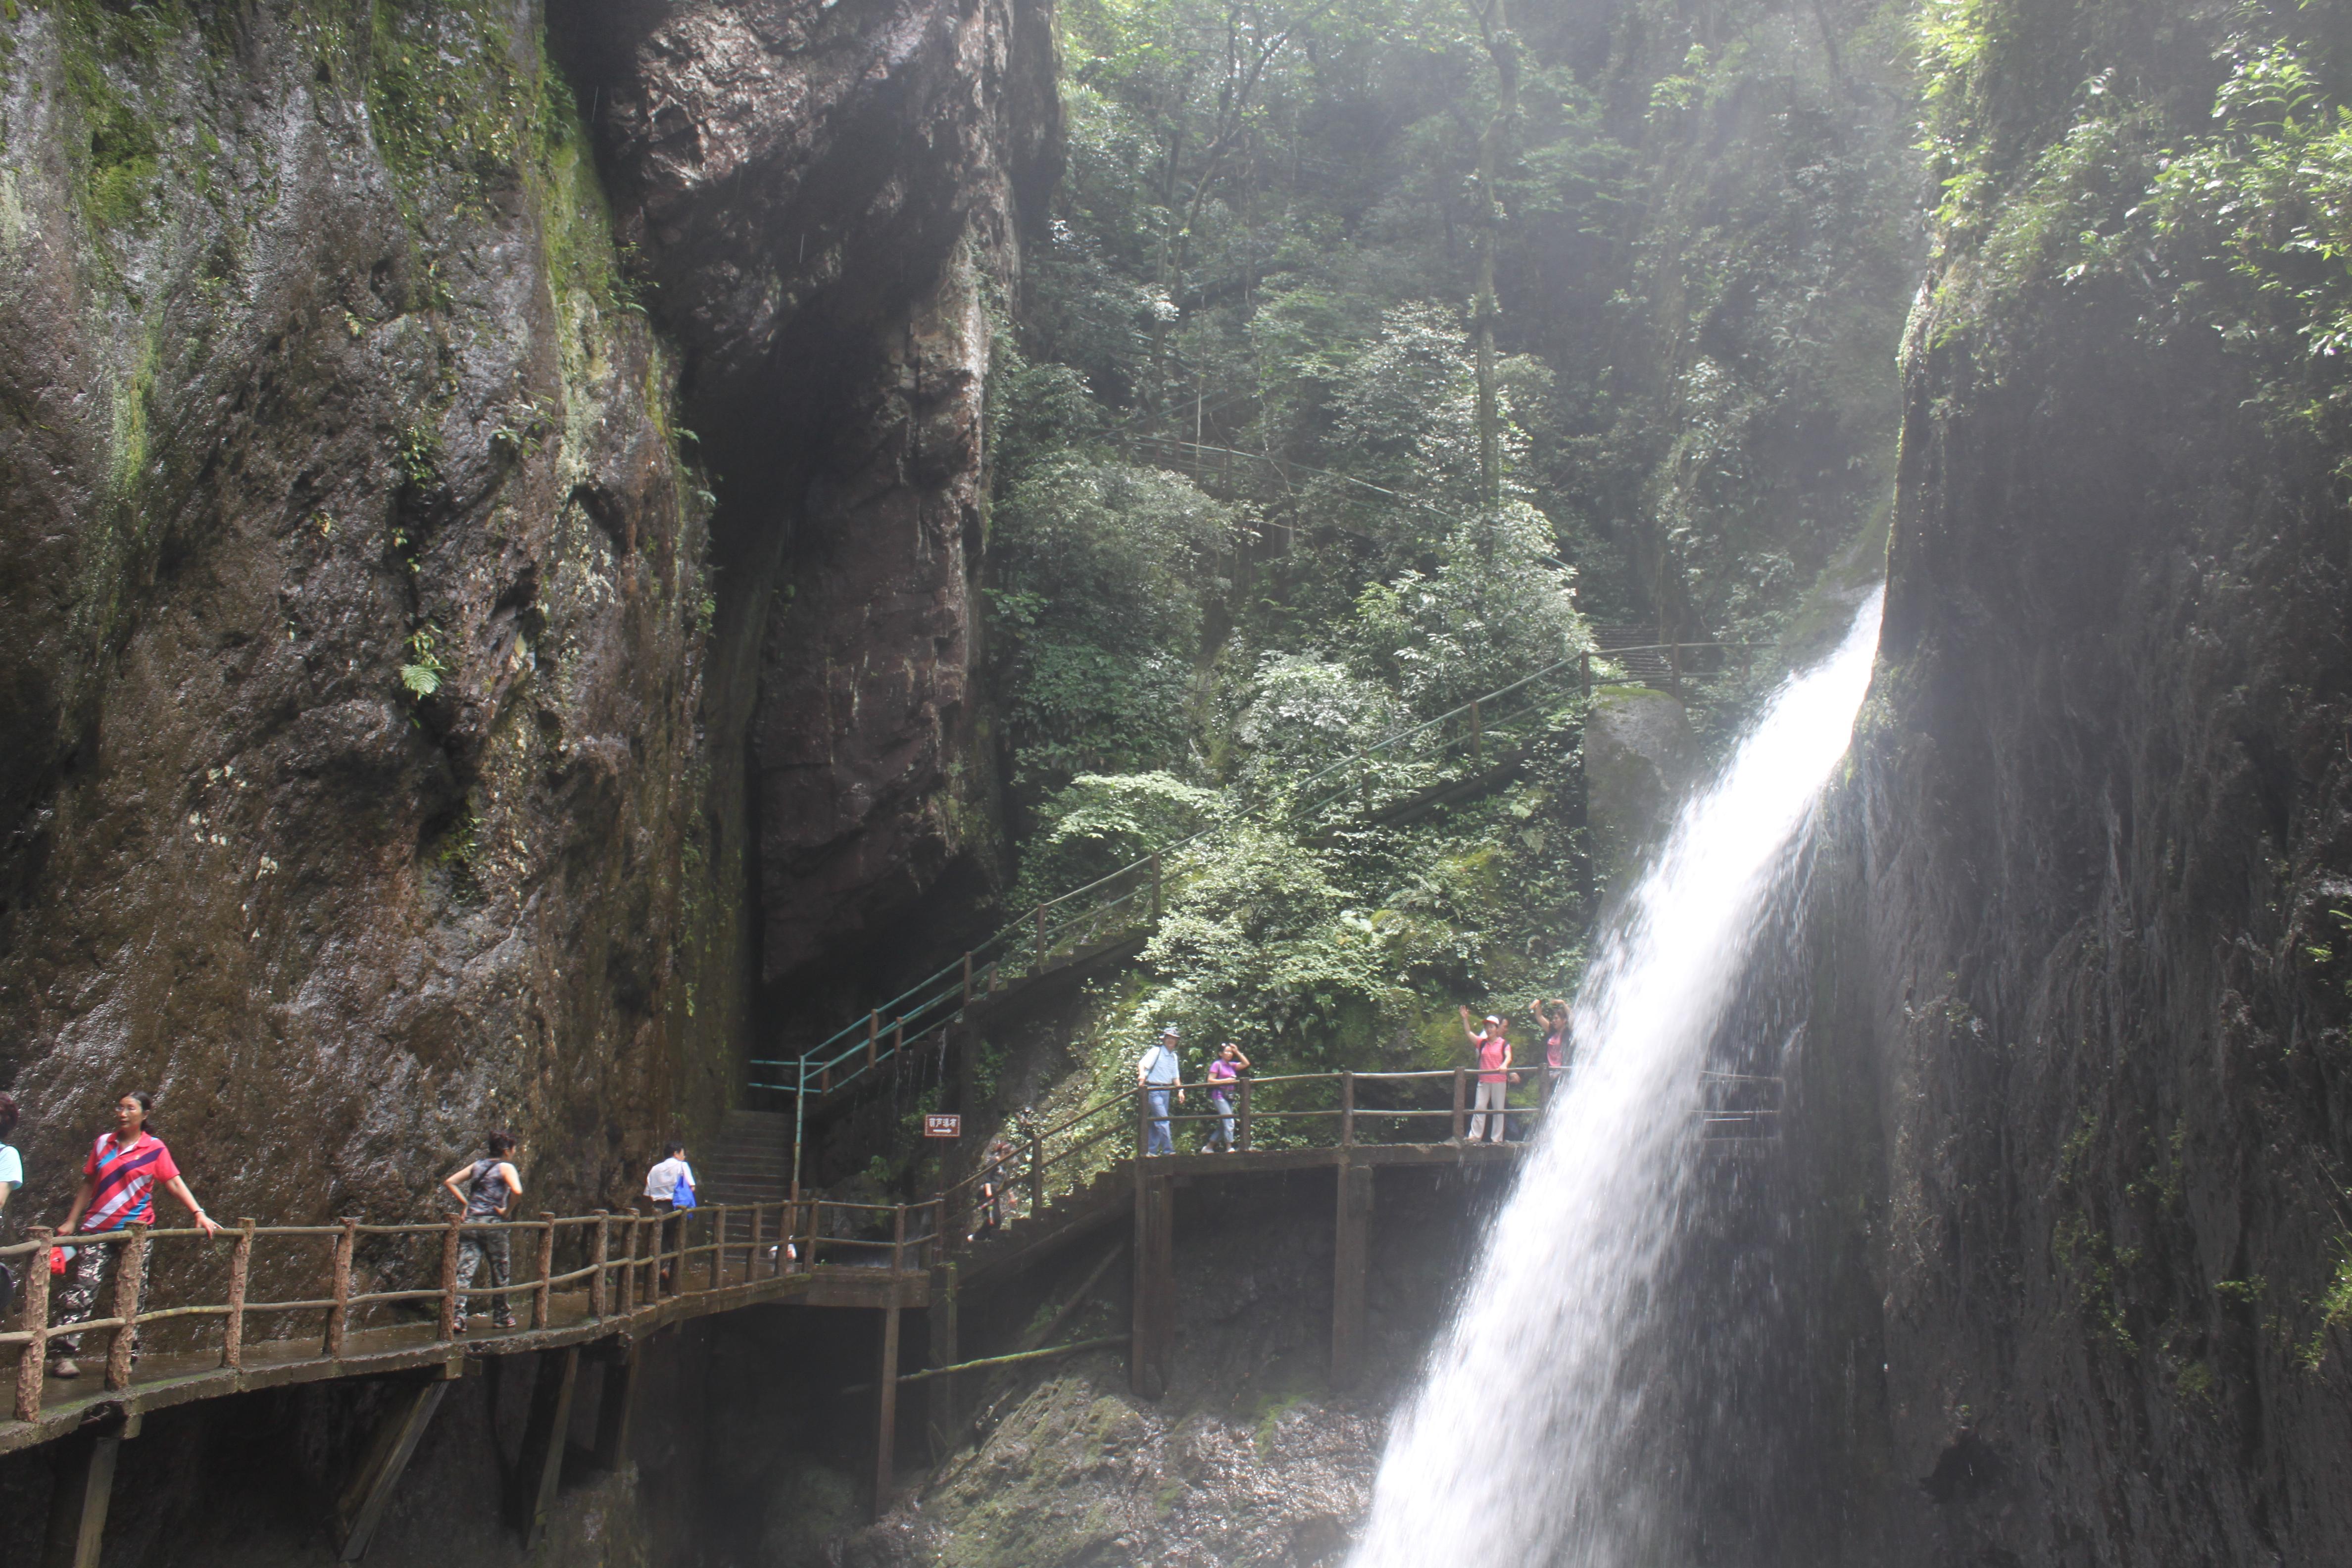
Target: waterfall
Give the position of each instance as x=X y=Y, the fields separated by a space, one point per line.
x=1525 y=1443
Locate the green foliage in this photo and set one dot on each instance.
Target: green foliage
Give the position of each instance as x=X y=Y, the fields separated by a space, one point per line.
x=2334 y=1307
x=422 y=670
x=1099 y=823
x=1496 y=608
x=450 y=108
x=1238 y=529
x=2226 y=209
x=1106 y=570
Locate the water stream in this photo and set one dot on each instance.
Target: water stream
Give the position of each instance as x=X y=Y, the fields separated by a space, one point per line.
x=1523 y=1445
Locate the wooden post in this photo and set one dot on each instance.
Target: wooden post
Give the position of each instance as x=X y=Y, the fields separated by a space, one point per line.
x=808 y=1254
x=627 y=1271
x=887 y=1434
x=752 y=1252
x=897 y=1242
x=1151 y=1352
x=1346 y=1109
x=898 y=1035
x=449 y=1278
x=966 y=979
x=339 y=1290
x=1241 y=1114
x=873 y=1037
x=1584 y=674
x=1349 y=1255
x=360 y=1507
x=1477 y=739
x=1040 y=960
x=1143 y=1121
x=943 y=1419
x=130 y=1273
x=78 y=1499
x=1155 y=887
x=32 y=1363
x=240 y=1269
x=601 y=1259
x=1461 y=1100
x=540 y=1465
x=615 y=1402
x=1037 y=1175
x=539 y=1302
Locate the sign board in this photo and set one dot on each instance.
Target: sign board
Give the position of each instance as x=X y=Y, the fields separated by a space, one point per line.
x=938 y=1126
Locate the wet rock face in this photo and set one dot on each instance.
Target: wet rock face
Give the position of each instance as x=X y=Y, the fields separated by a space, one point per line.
x=381 y=652
x=2101 y=818
x=351 y=648
x=1638 y=754
x=832 y=196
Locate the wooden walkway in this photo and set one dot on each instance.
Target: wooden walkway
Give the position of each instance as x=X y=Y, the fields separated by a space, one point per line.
x=643 y=1273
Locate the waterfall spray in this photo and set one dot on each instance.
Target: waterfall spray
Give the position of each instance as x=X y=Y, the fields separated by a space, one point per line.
x=1519 y=1447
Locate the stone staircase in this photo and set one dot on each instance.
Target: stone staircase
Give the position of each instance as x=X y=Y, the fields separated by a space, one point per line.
x=750 y=1162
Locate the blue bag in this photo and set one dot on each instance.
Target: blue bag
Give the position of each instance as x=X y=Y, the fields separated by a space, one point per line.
x=682 y=1197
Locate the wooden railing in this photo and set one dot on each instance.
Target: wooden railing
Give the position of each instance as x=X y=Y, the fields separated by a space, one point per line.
x=1294 y=1111
x=1303 y=1110
x=631 y=1260
x=1407 y=765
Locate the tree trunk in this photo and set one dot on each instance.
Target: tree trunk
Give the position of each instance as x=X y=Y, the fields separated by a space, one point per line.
x=1503 y=48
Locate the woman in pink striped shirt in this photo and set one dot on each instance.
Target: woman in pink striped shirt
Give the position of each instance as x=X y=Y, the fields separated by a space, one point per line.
x=118 y=1189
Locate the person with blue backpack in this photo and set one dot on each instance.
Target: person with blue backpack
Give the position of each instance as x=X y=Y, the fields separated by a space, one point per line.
x=669 y=1185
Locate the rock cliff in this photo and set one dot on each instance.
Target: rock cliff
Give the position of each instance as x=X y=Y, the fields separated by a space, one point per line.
x=2092 y=932
x=492 y=499
x=491 y=496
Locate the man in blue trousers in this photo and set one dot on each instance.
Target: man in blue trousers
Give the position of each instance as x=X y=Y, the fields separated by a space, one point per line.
x=1157 y=1075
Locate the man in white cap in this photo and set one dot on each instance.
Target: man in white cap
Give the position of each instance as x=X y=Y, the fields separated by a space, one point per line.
x=1157 y=1074
x=1493 y=1045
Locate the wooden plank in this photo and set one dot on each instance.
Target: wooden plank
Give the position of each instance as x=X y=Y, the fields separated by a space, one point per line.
x=1349 y=1255
x=78 y=1498
x=540 y=1466
x=365 y=1497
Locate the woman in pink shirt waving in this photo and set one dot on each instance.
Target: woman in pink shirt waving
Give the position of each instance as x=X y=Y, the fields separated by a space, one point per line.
x=1493 y=1045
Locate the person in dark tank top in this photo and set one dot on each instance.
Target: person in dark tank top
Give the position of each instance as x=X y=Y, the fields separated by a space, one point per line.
x=490 y=1187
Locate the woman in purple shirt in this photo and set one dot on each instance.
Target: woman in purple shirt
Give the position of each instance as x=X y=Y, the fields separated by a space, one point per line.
x=1229 y=1065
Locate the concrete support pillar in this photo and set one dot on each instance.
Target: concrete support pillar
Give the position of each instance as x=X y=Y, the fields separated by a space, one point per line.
x=361 y=1506
x=616 y=1404
x=945 y=1417
x=540 y=1467
x=1151 y=1353
x=1349 y=1258
x=78 y=1497
x=885 y=1437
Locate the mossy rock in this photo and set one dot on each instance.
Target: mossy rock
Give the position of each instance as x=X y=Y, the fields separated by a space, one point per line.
x=1638 y=756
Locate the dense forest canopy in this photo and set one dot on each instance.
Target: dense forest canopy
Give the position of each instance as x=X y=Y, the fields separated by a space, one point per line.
x=1376 y=351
